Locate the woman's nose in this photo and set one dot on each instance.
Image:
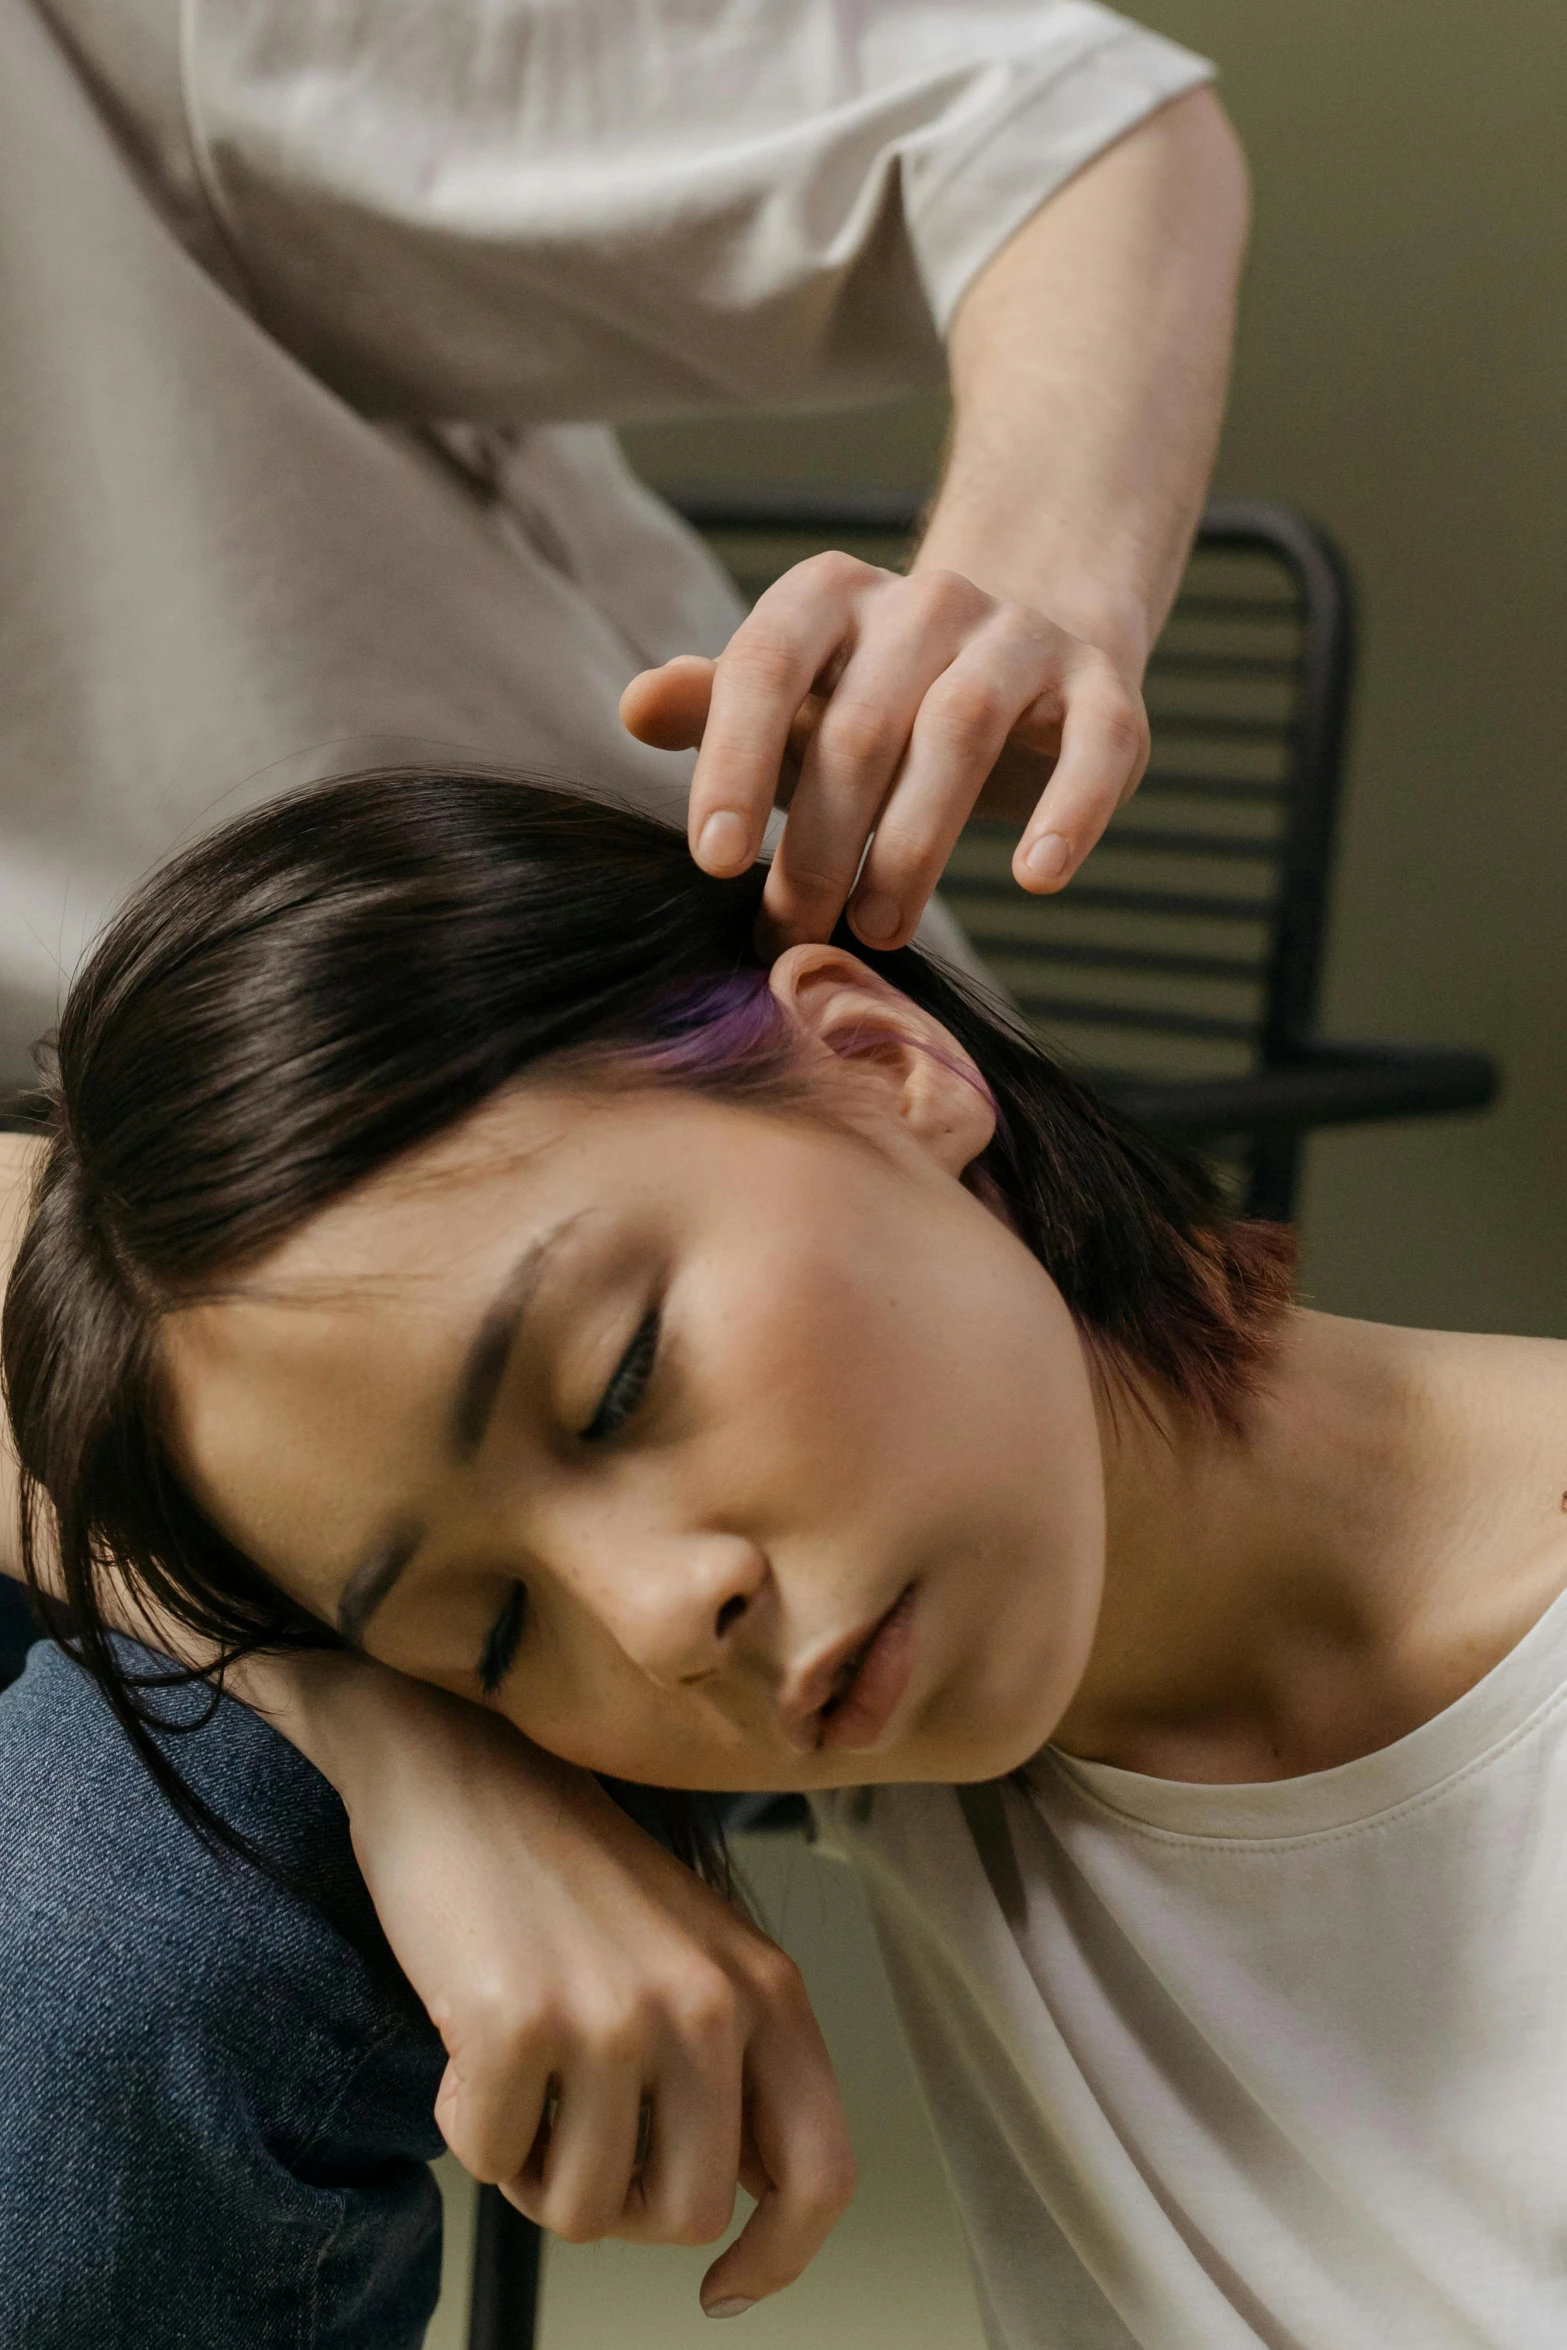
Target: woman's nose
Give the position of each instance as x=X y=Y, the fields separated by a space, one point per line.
x=679 y=1603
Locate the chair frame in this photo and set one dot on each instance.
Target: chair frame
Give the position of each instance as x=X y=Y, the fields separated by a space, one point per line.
x=1303 y=1080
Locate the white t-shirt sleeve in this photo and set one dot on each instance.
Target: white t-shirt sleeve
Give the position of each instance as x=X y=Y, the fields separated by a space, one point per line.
x=555 y=209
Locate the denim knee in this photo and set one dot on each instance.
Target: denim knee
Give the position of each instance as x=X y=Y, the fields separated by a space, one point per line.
x=215 y=2095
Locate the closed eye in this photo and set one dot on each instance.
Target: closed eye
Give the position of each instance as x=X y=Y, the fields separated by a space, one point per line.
x=628 y=1384
x=505 y=1637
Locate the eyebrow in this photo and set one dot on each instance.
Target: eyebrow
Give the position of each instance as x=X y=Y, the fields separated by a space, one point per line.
x=372 y=1579
x=473 y=1406
x=484 y=1366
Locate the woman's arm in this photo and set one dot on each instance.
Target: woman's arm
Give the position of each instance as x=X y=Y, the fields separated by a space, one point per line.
x=566 y=1958
x=569 y=1963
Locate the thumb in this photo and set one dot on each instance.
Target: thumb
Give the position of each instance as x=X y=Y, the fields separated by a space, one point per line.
x=668 y=707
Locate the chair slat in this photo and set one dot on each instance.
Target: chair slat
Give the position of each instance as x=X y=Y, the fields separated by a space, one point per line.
x=1272 y=666
x=1120 y=901
x=1153 y=1020
x=1193 y=725
x=1159 y=843
x=1164 y=963
x=1196 y=606
x=1167 y=783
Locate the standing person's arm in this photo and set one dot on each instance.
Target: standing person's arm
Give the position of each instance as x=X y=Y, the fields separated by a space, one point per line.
x=673 y=213
x=1089 y=361
x=1089 y=364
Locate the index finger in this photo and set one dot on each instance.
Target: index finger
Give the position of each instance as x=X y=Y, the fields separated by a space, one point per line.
x=800 y=2138
x=764 y=674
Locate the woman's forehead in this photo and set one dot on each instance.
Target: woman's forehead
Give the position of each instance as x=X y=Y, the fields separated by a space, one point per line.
x=501 y=1165
x=521 y=1162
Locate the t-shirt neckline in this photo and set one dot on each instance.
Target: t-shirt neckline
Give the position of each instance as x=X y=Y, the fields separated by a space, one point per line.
x=1502 y=1704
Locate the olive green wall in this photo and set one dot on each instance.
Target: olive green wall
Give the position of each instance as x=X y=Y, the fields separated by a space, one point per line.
x=1401 y=378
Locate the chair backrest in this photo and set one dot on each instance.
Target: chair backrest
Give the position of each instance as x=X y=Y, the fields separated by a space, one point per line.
x=1192 y=945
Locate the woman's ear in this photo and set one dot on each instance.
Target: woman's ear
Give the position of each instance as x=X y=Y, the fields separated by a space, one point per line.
x=928 y=1081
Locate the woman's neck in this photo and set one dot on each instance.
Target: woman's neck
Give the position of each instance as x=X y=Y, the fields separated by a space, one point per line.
x=1391 y=1522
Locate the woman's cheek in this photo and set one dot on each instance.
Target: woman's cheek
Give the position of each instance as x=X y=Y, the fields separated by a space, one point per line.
x=602 y=1728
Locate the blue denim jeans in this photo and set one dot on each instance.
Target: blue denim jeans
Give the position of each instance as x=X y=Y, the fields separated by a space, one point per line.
x=215 y=2095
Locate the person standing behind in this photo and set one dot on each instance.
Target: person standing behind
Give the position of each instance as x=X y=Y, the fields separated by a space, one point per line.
x=314 y=318
x=314 y=324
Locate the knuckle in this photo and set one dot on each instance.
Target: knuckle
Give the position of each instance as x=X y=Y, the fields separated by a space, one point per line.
x=839 y=2191
x=857 y=736
x=907 y=858
x=965 y=712
x=499 y=2030
x=573 y=2221
x=948 y=592
x=1010 y=621
x=707 y=2011
x=763 y=654
x=479 y=2159
x=523 y=2195
x=1019 y=628
x=776 y=1978
x=486 y=2152
x=835 y=568
x=703 y=2222
x=693 y=2209
x=612 y=2019
x=813 y=884
x=1125 y=725
x=617 y=2037
x=831 y=2186
x=486 y=2008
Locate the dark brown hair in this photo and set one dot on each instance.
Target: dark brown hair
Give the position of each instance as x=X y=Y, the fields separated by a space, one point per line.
x=330 y=982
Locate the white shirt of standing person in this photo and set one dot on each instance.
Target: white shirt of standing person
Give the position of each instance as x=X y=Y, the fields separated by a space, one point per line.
x=313 y=322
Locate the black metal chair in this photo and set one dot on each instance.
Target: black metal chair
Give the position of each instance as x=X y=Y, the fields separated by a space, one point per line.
x=1183 y=968
x=507 y=2253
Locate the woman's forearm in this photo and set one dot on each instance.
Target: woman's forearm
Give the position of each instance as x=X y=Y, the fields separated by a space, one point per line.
x=579 y=1976
x=1089 y=365
x=344 y=1712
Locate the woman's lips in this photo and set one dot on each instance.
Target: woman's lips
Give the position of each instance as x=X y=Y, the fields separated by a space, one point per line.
x=859 y=1709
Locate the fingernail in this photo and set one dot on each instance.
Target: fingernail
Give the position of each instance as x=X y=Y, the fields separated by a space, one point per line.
x=1047 y=858
x=877 y=917
x=723 y=840
x=736 y=2306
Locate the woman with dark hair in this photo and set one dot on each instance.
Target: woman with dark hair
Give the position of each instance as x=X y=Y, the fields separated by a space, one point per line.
x=457 y=1247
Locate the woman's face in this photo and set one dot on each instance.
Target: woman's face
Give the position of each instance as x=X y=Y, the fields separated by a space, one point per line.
x=722 y=1447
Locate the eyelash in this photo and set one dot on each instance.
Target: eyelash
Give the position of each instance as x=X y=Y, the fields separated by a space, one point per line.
x=505 y=1638
x=628 y=1385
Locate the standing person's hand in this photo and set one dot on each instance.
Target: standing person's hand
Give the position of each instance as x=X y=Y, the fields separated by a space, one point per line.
x=887 y=711
x=1087 y=362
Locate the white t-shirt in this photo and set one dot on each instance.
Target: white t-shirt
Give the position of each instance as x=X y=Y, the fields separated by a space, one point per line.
x=1218 y=2067
x=252 y=250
